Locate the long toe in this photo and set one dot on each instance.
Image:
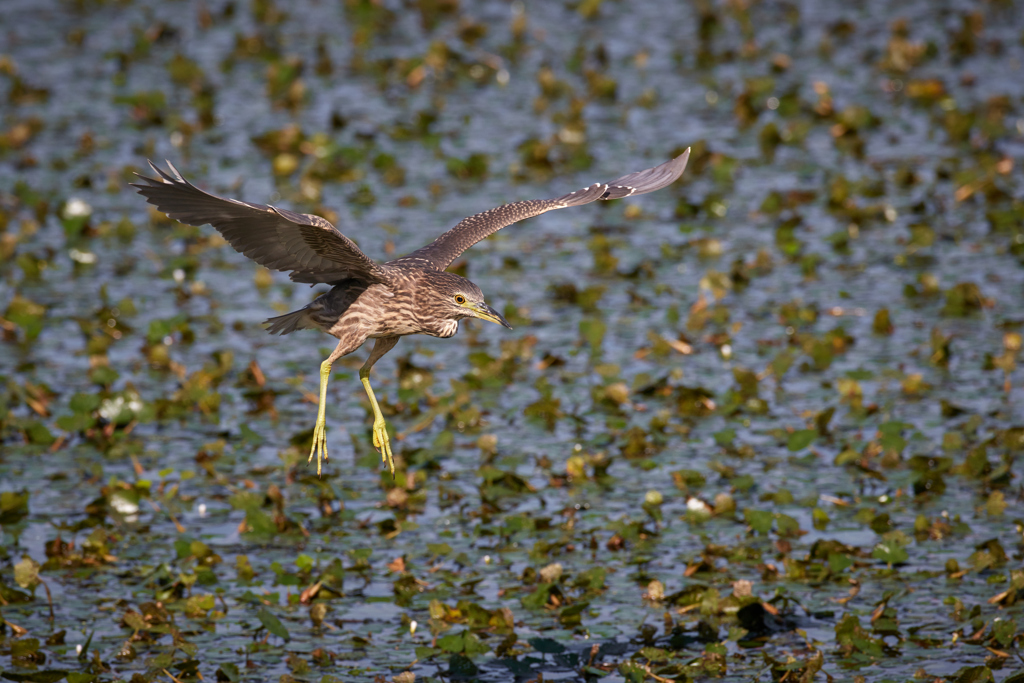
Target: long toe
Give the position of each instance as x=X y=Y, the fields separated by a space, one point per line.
x=390 y=459
x=382 y=443
x=319 y=445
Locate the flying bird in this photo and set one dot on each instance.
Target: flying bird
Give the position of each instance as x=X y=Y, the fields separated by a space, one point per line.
x=409 y=295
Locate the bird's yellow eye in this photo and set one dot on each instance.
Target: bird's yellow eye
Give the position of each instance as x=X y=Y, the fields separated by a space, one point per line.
x=459 y=299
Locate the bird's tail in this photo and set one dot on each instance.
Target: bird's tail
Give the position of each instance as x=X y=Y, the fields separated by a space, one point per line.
x=289 y=322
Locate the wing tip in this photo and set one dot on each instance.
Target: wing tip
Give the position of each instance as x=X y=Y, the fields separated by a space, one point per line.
x=681 y=160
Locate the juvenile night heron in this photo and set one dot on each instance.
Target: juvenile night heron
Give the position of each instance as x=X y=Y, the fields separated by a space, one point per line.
x=410 y=295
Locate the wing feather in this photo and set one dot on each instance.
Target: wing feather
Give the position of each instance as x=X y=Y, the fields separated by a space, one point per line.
x=308 y=246
x=441 y=252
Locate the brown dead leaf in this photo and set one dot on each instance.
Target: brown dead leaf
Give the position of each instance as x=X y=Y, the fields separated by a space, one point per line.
x=309 y=593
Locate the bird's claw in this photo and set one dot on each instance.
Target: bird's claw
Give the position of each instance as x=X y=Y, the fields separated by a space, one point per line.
x=383 y=444
x=319 y=443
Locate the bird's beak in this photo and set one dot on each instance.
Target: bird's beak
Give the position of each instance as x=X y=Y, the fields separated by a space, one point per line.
x=485 y=312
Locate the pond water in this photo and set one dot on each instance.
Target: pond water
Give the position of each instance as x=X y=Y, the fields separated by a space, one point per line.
x=763 y=424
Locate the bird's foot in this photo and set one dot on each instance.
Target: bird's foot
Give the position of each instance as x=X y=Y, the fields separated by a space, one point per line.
x=383 y=444
x=319 y=442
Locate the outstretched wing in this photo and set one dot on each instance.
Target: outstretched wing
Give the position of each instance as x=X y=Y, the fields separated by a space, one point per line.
x=441 y=252
x=308 y=246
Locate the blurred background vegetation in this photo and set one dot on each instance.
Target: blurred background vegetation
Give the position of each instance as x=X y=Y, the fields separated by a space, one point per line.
x=764 y=424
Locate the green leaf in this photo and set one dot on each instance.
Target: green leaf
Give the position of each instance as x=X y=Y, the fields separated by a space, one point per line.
x=27 y=315
x=24 y=647
x=103 y=375
x=893 y=430
x=260 y=522
x=13 y=503
x=725 y=437
x=890 y=553
x=249 y=435
x=743 y=482
x=654 y=654
x=571 y=615
x=473 y=645
x=84 y=403
x=243 y=500
x=227 y=671
x=26 y=573
x=838 y=562
x=801 y=439
x=183 y=547
x=45 y=676
x=439 y=548
x=846 y=457
x=592 y=330
x=424 y=652
x=452 y=642
x=547 y=646
x=973 y=674
x=461 y=666
x=135 y=621
x=632 y=672
x=1003 y=630
x=75 y=423
x=783 y=361
x=759 y=520
x=272 y=623
x=463 y=642
x=538 y=598
x=592 y=579
x=85 y=647
x=787 y=526
x=37 y=433
x=80 y=677
x=819 y=518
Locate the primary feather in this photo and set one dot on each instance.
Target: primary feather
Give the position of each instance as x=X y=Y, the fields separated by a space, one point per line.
x=308 y=246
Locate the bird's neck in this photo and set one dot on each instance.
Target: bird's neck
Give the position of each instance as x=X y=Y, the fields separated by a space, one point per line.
x=442 y=328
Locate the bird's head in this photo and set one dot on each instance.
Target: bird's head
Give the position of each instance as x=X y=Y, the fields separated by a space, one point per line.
x=455 y=298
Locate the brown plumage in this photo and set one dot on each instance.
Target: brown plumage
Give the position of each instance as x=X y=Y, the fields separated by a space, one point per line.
x=409 y=295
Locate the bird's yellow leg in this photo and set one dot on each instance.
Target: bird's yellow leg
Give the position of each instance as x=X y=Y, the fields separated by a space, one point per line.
x=320 y=429
x=380 y=429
